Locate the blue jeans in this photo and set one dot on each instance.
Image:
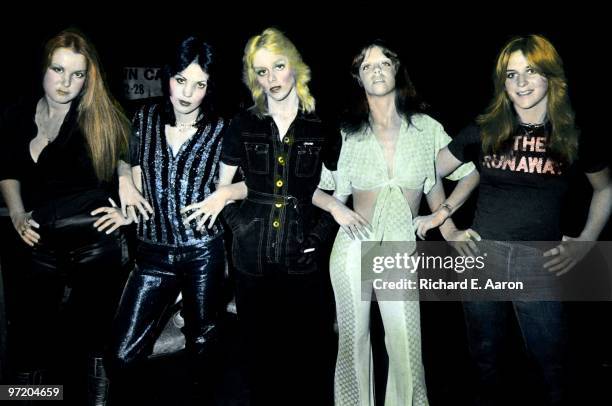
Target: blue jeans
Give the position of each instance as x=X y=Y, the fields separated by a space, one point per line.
x=542 y=324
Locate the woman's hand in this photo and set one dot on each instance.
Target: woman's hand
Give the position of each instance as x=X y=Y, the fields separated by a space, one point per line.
x=463 y=241
x=567 y=254
x=422 y=224
x=113 y=218
x=350 y=221
x=24 y=225
x=131 y=200
x=206 y=210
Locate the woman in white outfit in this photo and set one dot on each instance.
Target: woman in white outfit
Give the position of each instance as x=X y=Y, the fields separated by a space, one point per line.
x=386 y=164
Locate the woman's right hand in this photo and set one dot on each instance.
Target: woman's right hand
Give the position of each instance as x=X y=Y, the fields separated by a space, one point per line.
x=112 y=219
x=24 y=225
x=422 y=224
x=350 y=221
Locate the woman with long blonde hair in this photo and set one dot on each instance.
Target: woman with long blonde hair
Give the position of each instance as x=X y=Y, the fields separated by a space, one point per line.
x=59 y=158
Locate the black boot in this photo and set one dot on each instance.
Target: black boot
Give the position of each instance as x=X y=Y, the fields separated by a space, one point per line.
x=33 y=377
x=29 y=377
x=97 y=383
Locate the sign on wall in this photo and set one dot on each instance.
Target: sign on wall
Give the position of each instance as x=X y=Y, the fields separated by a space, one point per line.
x=141 y=82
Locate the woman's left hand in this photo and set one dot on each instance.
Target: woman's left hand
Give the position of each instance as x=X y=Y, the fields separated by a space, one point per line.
x=206 y=210
x=567 y=254
x=422 y=224
x=113 y=218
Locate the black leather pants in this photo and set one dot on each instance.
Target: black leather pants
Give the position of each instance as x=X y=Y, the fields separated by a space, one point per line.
x=70 y=295
x=160 y=273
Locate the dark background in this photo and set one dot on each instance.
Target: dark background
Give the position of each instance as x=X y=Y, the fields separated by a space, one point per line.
x=450 y=58
x=450 y=55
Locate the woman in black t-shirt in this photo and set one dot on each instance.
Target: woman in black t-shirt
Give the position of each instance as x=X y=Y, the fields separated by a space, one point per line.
x=526 y=148
x=59 y=158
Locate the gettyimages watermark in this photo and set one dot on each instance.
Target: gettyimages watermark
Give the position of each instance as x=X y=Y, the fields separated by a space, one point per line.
x=492 y=271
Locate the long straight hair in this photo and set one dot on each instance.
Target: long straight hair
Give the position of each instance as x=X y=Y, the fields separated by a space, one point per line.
x=500 y=121
x=100 y=117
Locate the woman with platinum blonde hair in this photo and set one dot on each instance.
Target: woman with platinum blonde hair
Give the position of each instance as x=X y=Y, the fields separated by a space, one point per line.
x=280 y=296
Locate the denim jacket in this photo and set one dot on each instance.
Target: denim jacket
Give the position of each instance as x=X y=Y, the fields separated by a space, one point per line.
x=277 y=216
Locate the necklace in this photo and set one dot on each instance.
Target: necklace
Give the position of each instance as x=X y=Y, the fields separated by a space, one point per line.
x=529 y=129
x=184 y=127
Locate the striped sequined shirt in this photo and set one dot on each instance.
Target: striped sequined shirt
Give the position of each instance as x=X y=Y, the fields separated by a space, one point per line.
x=171 y=182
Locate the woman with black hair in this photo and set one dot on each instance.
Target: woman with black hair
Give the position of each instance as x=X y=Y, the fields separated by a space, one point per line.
x=175 y=148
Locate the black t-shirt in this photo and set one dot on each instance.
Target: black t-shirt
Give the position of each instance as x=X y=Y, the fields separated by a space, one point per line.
x=522 y=191
x=63 y=179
